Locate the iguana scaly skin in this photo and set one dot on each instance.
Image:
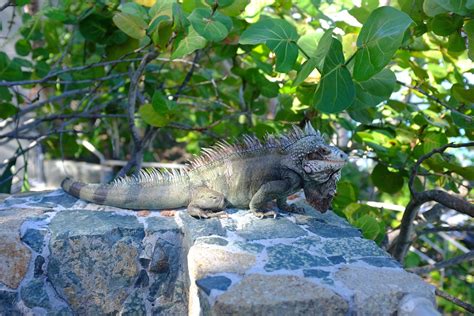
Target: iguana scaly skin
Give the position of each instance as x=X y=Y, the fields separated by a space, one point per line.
x=244 y=175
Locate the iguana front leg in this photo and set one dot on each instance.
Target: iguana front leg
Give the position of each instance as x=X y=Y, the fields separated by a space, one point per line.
x=278 y=190
x=206 y=203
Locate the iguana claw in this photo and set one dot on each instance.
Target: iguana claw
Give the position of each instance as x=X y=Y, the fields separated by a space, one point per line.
x=262 y=215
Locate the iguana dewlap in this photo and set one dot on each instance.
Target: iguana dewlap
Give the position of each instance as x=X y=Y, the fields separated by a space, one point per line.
x=244 y=175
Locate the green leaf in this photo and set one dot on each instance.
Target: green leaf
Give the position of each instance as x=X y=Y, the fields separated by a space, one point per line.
x=23 y=47
x=469 y=30
x=369 y=226
x=180 y=22
x=235 y=9
x=434 y=7
x=7 y=110
x=414 y=8
x=160 y=30
x=258 y=81
x=5 y=94
x=433 y=140
x=372 y=92
x=162 y=7
x=219 y=3
x=335 y=91
x=160 y=103
x=135 y=9
x=280 y=37
x=131 y=25
x=213 y=27
x=151 y=117
x=95 y=27
x=189 y=44
x=322 y=52
x=386 y=180
x=378 y=40
x=445 y=24
x=306 y=69
x=309 y=42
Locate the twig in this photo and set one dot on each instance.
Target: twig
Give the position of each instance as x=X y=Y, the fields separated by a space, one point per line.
x=436 y=99
x=188 y=76
x=464 y=228
x=6 y=5
x=444 y=264
x=418 y=198
x=72 y=69
x=468 y=307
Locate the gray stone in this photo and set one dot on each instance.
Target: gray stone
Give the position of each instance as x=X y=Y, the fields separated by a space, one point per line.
x=251 y=247
x=64 y=199
x=270 y=228
x=94 y=255
x=378 y=291
x=331 y=231
x=315 y=273
x=212 y=240
x=8 y=300
x=285 y=257
x=143 y=280
x=34 y=294
x=337 y=259
x=194 y=228
x=161 y=224
x=279 y=295
x=219 y=282
x=311 y=214
x=134 y=305
x=351 y=248
x=14 y=255
x=95 y=223
x=34 y=238
x=381 y=262
x=38 y=269
x=308 y=243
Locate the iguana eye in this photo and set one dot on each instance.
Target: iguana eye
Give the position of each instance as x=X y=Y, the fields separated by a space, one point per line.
x=324 y=151
x=314 y=156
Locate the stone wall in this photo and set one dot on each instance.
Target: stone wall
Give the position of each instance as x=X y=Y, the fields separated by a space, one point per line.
x=62 y=256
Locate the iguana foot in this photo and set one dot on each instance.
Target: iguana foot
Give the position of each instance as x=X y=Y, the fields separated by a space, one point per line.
x=264 y=214
x=292 y=208
x=199 y=213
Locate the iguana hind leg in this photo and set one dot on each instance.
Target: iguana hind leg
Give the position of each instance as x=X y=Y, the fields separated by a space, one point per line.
x=267 y=192
x=206 y=203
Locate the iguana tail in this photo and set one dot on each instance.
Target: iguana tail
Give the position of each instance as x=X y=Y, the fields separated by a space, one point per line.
x=147 y=190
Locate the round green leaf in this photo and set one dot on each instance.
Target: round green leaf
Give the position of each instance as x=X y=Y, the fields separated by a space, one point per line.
x=445 y=24
x=369 y=226
x=213 y=27
x=335 y=91
x=386 y=180
x=377 y=89
x=433 y=140
x=151 y=117
x=131 y=25
x=23 y=47
x=378 y=40
x=279 y=35
x=189 y=44
x=219 y=3
x=7 y=110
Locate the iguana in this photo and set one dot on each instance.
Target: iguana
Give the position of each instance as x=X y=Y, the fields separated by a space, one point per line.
x=244 y=175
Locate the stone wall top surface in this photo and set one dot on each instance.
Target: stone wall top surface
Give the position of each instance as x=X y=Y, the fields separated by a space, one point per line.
x=62 y=256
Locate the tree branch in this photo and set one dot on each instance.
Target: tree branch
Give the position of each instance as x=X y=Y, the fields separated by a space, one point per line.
x=418 y=198
x=464 y=228
x=444 y=264
x=468 y=307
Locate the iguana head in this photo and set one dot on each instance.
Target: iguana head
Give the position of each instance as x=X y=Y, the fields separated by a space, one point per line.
x=308 y=154
x=318 y=164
